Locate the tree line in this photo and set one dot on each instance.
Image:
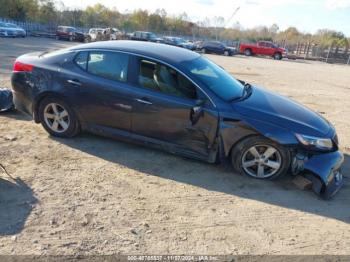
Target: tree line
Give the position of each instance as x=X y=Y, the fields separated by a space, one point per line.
x=98 y=15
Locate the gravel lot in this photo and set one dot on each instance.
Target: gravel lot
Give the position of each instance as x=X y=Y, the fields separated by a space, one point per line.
x=91 y=195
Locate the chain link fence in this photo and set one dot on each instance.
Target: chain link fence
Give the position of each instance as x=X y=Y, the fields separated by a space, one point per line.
x=307 y=51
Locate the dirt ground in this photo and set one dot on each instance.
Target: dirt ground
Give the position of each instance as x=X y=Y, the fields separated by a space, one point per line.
x=91 y=195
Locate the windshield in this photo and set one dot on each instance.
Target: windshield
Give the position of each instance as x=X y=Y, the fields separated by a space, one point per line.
x=152 y=35
x=11 y=25
x=179 y=40
x=215 y=78
x=5 y=25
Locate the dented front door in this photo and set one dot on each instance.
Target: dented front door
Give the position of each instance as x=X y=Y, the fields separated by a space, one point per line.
x=168 y=118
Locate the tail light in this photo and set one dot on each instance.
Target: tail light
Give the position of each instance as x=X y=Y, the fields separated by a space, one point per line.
x=21 y=67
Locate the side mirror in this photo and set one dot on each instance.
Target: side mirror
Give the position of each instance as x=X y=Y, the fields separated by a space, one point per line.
x=241 y=81
x=200 y=102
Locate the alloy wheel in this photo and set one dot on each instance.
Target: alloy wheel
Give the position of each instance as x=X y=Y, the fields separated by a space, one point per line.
x=261 y=161
x=56 y=117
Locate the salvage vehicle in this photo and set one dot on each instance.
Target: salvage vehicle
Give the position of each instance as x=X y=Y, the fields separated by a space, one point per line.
x=215 y=47
x=11 y=30
x=69 y=33
x=94 y=34
x=264 y=48
x=178 y=41
x=146 y=36
x=100 y=34
x=179 y=101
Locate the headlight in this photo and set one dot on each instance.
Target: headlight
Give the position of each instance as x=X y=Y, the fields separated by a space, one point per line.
x=317 y=142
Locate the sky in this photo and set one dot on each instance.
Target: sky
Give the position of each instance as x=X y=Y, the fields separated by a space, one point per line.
x=306 y=15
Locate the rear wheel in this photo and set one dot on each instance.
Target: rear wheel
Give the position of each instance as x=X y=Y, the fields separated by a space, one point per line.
x=57 y=118
x=204 y=51
x=248 y=52
x=226 y=53
x=260 y=158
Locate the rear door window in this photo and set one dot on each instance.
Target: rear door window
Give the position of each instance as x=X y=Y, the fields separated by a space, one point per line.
x=109 y=65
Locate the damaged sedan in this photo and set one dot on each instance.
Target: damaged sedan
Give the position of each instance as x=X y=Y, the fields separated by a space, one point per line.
x=179 y=101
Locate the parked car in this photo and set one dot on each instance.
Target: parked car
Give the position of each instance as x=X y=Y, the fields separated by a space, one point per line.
x=114 y=33
x=215 y=47
x=11 y=30
x=146 y=36
x=178 y=41
x=198 y=45
x=103 y=34
x=94 y=34
x=263 y=48
x=177 y=100
x=69 y=33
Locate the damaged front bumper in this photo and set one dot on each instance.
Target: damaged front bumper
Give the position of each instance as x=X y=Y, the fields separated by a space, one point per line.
x=324 y=170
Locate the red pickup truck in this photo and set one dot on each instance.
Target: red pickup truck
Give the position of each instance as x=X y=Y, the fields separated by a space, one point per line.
x=263 y=48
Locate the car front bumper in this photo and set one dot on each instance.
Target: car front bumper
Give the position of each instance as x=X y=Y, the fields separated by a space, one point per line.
x=327 y=167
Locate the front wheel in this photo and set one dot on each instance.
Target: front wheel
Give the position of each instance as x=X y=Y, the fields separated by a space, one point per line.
x=57 y=118
x=277 y=56
x=260 y=158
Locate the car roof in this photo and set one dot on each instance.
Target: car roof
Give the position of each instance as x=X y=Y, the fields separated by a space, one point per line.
x=166 y=53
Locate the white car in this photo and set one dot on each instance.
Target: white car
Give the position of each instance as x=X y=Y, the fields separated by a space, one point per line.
x=115 y=34
x=95 y=34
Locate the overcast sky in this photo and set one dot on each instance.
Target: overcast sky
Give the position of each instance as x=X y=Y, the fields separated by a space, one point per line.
x=306 y=15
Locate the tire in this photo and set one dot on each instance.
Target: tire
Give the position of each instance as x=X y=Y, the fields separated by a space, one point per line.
x=277 y=56
x=71 y=127
x=57 y=37
x=246 y=160
x=71 y=38
x=248 y=52
x=204 y=51
x=226 y=53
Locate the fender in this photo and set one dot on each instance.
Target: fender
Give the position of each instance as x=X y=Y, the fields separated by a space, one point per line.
x=232 y=131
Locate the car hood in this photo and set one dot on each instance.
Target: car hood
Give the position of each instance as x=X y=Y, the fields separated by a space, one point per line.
x=281 y=111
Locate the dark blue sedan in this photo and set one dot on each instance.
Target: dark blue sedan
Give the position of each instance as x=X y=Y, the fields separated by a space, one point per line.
x=179 y=101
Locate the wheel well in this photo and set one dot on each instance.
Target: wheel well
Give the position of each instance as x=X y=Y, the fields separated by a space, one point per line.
x=279 y=53
x=37 y=102
x=238 y=141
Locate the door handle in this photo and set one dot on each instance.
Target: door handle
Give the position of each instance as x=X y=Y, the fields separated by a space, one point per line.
x=142 y=101
x=74 y=82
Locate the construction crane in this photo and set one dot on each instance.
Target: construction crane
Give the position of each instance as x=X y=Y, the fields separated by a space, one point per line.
x=229 y=20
